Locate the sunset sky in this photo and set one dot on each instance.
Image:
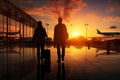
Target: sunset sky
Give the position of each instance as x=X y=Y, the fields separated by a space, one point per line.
x=98 y=14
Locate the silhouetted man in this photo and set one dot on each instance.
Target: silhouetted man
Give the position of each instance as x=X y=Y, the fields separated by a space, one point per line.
x=60 y=36
x=39 y=38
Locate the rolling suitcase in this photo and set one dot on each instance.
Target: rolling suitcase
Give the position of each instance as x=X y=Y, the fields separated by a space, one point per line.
x=47 y=54
x=47 y=51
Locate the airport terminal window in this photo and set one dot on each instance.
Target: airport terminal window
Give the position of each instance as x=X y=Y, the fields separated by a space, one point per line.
x=1 y=18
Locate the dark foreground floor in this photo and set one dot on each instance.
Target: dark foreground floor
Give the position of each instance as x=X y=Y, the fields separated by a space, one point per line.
x=80 y=63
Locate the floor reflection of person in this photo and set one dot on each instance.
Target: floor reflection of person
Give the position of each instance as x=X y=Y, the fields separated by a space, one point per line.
x=61 y=72
x=60 y=36
x=108 y=48
x=43 y=67
x=38 y=68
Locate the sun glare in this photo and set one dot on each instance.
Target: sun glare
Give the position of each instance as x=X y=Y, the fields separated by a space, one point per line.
x=75 y=34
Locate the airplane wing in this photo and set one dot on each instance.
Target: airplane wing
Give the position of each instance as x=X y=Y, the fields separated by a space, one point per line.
x=14 y=33
x=2 y=33
x=11 y=33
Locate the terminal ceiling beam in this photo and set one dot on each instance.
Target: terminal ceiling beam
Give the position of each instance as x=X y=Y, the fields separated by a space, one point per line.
x=12 y=11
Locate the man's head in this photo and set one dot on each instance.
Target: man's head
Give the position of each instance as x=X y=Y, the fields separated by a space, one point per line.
x=39 y=22
x=59 y=20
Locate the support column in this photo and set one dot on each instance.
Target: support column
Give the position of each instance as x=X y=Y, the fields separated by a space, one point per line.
x=7 y=26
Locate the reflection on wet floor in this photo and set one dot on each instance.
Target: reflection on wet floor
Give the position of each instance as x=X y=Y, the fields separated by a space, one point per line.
x=43 y=66
x=61 y=71
x=81 y=63
x=16 y=62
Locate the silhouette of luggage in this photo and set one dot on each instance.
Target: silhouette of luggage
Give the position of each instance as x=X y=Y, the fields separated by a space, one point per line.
x=47 y=54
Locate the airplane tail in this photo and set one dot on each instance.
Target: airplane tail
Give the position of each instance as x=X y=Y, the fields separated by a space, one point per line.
x=98 y=31
x=19 y=31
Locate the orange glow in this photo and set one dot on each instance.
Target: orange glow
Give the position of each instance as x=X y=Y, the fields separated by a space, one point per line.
x=75 y=34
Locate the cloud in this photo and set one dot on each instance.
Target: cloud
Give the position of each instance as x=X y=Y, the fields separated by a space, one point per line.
x=56 y=8
x=113 y=27
x=51 y=8
x=92 y=17
x=64 y=8
x=28 y=1
x=113 y=5
x=37 y=11
x=112 y=19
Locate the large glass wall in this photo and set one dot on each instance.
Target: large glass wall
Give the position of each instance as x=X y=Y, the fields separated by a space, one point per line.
x=13 y=20
x=14 y=26
x=1 y=24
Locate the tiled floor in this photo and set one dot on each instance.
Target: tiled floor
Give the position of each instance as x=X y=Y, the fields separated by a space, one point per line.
x=80 y=64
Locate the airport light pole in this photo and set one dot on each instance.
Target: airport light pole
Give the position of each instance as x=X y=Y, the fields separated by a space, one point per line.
x=47 y=27
x=86 y=29
x=71 y=30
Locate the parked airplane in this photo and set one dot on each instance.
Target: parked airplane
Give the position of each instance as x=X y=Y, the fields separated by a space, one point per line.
x=10 y=33
x=108 y=33
x=105 y=53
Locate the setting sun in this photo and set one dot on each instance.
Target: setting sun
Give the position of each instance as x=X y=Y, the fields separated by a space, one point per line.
x=75 y=34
